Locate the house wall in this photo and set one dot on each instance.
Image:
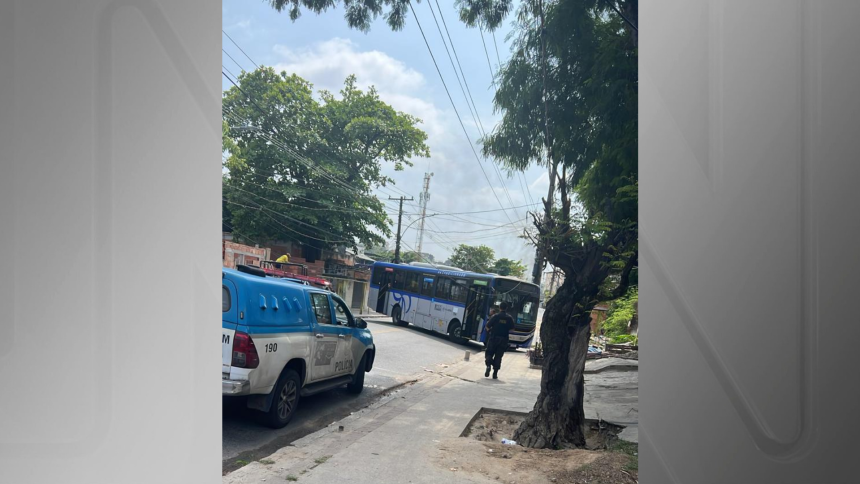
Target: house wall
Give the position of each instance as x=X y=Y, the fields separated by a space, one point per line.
x=234 y=253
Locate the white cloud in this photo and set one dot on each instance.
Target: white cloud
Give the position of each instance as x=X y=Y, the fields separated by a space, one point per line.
x=329 y=63
x=458 y=184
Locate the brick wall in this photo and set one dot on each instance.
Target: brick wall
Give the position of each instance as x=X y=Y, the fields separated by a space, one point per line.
x=316 y=268
x=234 y=253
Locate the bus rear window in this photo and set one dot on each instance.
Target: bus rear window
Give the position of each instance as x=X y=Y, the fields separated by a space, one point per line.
x=225 y=299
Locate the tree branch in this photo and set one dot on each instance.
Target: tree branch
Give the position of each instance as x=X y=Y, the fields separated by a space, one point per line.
x=625 y=276
x=612 y=5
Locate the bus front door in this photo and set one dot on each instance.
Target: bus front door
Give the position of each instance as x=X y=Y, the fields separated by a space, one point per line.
x=475 y=309
x=382 y=295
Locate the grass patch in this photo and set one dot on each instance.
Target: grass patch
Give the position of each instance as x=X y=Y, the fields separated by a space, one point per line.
x=241 y=463
x=292 y=478
x=322 y=460
x=624 y=447
x=629 y=448
x=633 y=465
x=267 y=462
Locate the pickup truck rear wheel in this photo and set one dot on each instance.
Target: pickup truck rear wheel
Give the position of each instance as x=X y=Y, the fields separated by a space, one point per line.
x=357 y=383
x=285 y=401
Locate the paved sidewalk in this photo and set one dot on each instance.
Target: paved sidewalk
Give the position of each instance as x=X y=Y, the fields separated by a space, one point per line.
x=396 y=440
x=372 y=315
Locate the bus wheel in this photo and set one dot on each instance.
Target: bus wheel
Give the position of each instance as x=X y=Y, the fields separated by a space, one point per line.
x=395 y=316
x=455 y=333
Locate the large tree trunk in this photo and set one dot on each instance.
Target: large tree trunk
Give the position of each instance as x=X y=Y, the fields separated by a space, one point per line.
x=558 y=417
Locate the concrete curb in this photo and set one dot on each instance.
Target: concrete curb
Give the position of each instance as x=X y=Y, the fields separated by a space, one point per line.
x=611 y=364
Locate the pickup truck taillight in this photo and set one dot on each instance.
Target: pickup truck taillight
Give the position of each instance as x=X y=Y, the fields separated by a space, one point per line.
x=244 y=351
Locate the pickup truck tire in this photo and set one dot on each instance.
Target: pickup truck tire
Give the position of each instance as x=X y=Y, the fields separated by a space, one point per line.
x=285 y=401
x=357 y=383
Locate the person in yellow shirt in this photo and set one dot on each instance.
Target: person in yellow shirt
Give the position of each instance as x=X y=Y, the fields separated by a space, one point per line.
x=283 y=258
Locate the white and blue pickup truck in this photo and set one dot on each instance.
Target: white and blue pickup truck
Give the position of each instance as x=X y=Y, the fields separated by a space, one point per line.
x=282 y=340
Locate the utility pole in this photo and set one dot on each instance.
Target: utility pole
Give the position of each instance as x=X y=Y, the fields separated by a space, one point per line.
x=425 y=195
x=399 y=222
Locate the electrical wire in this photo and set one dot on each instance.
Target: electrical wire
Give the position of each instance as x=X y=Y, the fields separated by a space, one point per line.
x=459 y=118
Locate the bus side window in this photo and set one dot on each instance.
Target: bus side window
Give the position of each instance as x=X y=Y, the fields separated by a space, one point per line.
x=443 y=288
x=427 y=286
x=412 y=282
x=400 y=279
x=459 y=291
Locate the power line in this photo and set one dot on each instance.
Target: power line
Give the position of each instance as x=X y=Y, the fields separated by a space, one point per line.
x=479 y=211
x=261 y=111
x=232 y=59
x=298 y=157
x=261 y=210
x=261 y=172
x=250 y=99
x=493 y=32
x=496 y=87
x=460 y=119
x=303 y=207
x=304 y=160
x=476 y=117
x=468 y=97
x=243 y=51
x=473 y=112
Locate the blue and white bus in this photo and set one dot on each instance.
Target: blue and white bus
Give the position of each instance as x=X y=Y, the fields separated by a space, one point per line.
x=451 y=301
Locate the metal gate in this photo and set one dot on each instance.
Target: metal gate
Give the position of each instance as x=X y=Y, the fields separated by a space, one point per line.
x=359 y=294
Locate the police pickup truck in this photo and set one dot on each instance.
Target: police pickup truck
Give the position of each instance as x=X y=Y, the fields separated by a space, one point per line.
x=282 y=340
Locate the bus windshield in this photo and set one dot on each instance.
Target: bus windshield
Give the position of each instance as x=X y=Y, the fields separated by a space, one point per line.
x=522 y=299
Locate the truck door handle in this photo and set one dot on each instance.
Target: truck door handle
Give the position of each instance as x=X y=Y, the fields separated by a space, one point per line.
x=320 y=335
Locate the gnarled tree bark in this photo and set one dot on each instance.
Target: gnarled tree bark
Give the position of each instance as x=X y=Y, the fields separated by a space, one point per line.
x=558 y=417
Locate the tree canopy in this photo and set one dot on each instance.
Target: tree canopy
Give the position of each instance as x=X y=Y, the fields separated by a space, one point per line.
x=473 y=258
x=358 y=15
x=568 y=98
x=301 y=168
x=508 y=267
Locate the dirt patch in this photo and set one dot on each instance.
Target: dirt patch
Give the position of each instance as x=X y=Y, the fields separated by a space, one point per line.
x=491 y=425
x=479 y=452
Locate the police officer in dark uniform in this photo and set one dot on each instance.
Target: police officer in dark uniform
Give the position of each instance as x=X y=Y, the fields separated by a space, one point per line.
x=498 y=328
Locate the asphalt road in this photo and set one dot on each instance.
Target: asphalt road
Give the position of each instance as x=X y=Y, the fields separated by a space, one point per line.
x=402 y=355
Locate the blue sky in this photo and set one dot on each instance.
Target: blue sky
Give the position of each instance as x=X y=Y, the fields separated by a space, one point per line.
x=323 y=50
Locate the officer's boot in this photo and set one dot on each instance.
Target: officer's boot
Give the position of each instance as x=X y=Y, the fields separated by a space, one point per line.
x=487 y=373
x=495 y=374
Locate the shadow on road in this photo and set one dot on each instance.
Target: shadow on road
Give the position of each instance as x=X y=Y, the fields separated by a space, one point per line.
x=314 y=412
x=435 y=336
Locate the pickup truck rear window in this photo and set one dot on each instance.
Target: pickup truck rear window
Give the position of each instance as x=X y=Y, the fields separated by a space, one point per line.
x=225 y=299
